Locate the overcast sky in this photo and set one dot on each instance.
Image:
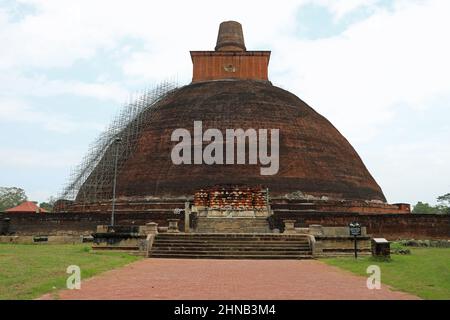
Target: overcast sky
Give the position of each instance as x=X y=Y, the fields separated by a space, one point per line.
x=379 y=70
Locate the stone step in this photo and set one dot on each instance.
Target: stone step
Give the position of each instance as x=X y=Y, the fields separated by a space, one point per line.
x=232 y=225
x=294 y=211
x=229 y=245
x=294 y=206
x=236 y=237
x=284 y=200
x=233 y=253
x=129 y=250
x=282 y=240
x=229 y=254
x=113 y=248
x=226 y=224
x=239 y=256
x=231 y=230
x=236 y=221
x=228 y=236
x=138 y=253
x=232 y=243
x=222 y=234
x=246 y=248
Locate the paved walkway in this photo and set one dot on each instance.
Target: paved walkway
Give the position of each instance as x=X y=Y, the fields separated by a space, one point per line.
x=228 y=279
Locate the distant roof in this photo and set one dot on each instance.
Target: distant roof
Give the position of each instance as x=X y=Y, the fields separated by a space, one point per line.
x=27 y=206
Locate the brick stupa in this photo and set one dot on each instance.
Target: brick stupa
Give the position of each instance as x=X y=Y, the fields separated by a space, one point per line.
x=230 y=88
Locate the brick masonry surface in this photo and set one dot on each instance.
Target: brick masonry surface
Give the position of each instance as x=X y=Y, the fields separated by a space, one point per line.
x=314 y=156
x=187 y=279
x=393 y=226
x=209 y=65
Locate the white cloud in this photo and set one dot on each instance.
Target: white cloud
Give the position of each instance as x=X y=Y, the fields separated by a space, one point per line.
x=62 y=32
x=32 y=158
x=420 y=167
x=357 y=78
x=16 y=111
x=340 y=8
x=14 y=84
x=42 y=195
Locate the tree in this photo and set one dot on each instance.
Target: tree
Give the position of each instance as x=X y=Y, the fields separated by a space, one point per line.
x=422 y=207
x=444 y=200
x=444 y=203
x=11 y=197
x=442 y=207
x=48 y=205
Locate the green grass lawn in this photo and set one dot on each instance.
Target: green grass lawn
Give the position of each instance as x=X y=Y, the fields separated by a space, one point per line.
x=28 y=271
x=425 y=272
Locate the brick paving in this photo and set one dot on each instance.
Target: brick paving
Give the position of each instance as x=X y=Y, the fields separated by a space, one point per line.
x=188 y=279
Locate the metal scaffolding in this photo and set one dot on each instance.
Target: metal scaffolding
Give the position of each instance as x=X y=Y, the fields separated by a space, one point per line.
x=92 y=179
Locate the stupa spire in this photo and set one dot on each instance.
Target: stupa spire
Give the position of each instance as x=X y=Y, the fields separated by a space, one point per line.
x=230 y=37
x=230 y=59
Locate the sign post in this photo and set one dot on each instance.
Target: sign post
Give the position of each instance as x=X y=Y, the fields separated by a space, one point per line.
x=355 y=230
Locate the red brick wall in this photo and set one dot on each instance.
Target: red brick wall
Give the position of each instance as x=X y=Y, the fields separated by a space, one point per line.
x=78 y=223
x=390 y=226
x=395 y=226
x=350 y=206
x=214 y=65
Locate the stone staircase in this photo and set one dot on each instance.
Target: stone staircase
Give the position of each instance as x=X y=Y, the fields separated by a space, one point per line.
x=232 y=225
x=231 y=246
x=133 y=250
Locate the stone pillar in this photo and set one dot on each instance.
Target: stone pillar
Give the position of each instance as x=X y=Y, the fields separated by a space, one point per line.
x=149 y=228
x=102 y=228
x=187 y=212
x=152 y=227
x=173 y=225
x=289 y=226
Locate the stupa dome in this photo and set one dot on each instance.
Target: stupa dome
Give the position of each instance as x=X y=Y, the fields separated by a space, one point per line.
x=314 y=159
